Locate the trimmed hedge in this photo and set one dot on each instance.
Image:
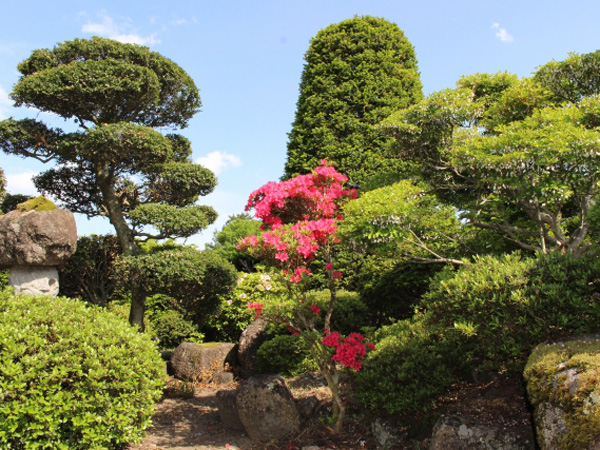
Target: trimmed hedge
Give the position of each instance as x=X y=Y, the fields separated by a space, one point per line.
x=72 y=377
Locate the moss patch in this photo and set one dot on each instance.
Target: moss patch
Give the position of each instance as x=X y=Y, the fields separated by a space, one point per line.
x=37 y=204
x=567 y=375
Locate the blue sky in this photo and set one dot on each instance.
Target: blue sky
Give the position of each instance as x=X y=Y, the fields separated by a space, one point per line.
x=247 y=58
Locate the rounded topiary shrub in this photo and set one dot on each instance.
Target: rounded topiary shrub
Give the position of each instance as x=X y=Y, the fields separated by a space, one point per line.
x=349 y=314
x=413 y=363
x=285 y=355
x=508 y=304
x=72 y=377
x=171 y=328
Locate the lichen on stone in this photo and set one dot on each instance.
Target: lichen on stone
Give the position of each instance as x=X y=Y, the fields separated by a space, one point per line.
x=40 y=203
x=566 y=376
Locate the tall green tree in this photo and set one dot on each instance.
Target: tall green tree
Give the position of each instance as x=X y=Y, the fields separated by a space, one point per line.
x=115 y=163
x=357 y=72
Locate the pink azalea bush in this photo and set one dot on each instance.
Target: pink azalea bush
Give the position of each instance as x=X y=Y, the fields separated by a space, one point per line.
x=300 y=218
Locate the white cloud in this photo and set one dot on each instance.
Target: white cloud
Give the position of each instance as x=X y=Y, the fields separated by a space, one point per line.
x=5 y=103
x=122 y=31
x=502 y=34
x=21 y=183
x=178 y=22
x=219 y=161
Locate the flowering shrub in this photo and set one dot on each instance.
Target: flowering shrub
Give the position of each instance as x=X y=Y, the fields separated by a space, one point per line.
x=239 y=309
x=300 y=218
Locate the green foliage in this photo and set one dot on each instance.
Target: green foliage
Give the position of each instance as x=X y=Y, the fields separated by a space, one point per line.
x=86 y=78
x=572 y=79
x=195 y=278
x=357 y=72
x=512 y=303
x=405 y=221
x=233 y=317
x=413 y=363
x=391 y=289
x=545 y=166
x=225 y=241
x=172 y=221
x=4 y=276
x=2 y=188
x=72 y=377
x=350 y=313
x=285 y=355
x=36 y=204
x=10 y=202
x=171 y=328
x=89 y=273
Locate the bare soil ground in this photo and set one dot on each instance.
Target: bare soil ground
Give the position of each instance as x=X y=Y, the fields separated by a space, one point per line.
x=191 y=422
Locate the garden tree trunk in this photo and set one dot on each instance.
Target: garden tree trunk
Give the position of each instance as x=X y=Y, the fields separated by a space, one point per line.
x=138 y=306
x=115 y=214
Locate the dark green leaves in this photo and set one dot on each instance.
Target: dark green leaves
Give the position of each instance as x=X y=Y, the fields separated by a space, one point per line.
x=358 y=71
x=172 y=221
x=105 y=91
x=121 y=82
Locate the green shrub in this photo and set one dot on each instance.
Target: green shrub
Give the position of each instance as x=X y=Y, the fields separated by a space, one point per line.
x=349 y=313
x=171 y=328
x=233 y=317
x=197 y=279
x=72 y=377
x=285 y=355
x=391 y=289
x=413 y=363
x=89 y=273
x=509 y=304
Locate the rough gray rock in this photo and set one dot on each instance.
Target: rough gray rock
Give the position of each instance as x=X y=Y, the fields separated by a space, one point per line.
x=198 y=362
x=37 y=238
x=307 y=406
x=250 y=341
x=453 y=432
x=387 y=434
x=563 y=387
x=227 y=406
x=34 y=280
x=266 y=408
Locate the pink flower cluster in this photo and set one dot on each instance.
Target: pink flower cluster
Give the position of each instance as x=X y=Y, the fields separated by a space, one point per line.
x=310 y=203
x=350 y=350
x=304 y=197
x=257 y=307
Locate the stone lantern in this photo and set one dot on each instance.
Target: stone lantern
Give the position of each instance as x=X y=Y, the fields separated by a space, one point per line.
x=35 y=240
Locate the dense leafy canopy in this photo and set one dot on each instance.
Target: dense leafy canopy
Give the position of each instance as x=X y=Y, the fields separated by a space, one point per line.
x=357 y=72
x=519 y=157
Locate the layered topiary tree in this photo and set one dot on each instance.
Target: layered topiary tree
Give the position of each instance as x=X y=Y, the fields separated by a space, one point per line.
x=115 y=164
x=357 y=72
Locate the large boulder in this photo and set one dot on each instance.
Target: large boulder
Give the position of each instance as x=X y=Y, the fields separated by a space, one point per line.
x=464 y=432
x=37 y=238
x=200 y=362
x=250 y=341
x=228 y=411
x=563 y=383
x=266 y=408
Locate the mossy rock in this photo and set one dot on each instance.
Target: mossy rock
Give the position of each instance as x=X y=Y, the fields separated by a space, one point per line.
x=563 y=384
x=40 y=203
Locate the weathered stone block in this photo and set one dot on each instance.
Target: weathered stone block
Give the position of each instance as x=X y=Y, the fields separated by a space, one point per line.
x=266 y=408
x=563 y=384
x=197 y=362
